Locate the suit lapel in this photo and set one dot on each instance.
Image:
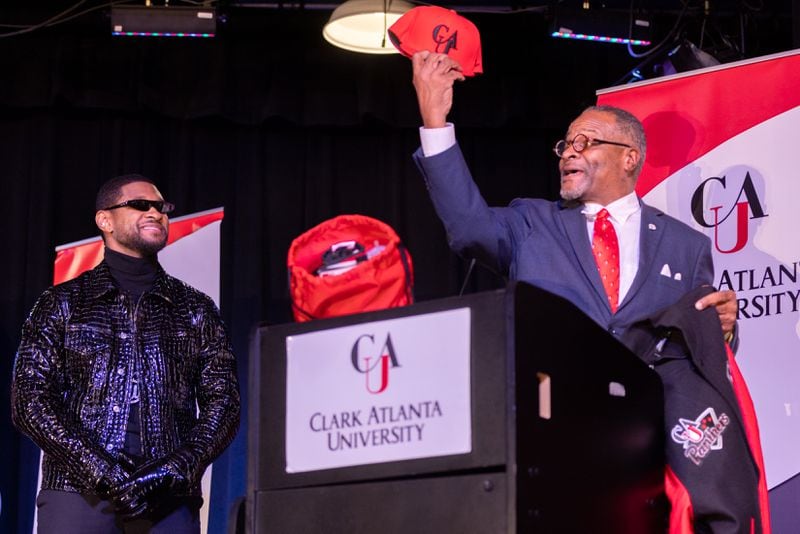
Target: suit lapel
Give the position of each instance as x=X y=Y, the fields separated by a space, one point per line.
x=575 y=226
x=650 y=234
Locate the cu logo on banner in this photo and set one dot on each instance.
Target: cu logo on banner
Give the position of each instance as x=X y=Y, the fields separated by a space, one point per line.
x=374 y=364
x=733 y=216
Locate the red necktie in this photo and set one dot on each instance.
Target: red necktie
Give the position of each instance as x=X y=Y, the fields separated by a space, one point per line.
x=606 y=253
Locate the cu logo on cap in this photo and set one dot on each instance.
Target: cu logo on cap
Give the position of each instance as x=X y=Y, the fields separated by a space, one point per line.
x=374 y=365
x=746 y=202
x=441 y=38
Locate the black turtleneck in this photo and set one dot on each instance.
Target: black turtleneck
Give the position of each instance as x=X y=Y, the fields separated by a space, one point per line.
x=134 y=275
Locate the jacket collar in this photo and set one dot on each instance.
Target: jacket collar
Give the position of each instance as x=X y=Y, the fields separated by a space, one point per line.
x=650 y=236
x=575 y=226
x=101 y=283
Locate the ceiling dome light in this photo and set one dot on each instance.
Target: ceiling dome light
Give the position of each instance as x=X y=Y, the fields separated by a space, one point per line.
x=360 y=25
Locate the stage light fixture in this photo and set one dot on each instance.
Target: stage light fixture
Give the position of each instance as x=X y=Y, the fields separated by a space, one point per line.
x=601 y=26
x=685 y=57
x=360 y=25
x=157 y=21
x=680 y=56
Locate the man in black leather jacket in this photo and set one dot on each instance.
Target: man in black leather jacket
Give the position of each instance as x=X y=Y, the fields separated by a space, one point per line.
x=126 y=380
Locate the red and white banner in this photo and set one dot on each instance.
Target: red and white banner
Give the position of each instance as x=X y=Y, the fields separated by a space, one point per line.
x=720 y=157
x=192 y=254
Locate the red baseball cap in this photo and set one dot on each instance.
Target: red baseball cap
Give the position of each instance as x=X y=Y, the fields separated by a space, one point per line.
x=441 y=31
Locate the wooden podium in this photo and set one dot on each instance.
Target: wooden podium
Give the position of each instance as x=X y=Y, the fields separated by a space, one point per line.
x=565 y=430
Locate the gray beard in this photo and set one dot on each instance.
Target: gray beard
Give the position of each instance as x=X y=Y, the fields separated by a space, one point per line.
x=577 y=190
x=572 y=194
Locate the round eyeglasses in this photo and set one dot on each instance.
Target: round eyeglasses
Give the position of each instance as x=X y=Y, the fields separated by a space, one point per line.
x=581 y=142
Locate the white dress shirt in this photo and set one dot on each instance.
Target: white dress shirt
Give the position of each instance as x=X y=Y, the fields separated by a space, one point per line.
x=436 y=140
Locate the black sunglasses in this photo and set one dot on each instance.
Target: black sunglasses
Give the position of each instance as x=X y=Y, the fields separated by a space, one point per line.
x=142 y=204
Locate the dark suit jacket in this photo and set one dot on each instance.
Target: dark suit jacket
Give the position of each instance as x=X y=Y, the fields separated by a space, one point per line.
x=546 y=244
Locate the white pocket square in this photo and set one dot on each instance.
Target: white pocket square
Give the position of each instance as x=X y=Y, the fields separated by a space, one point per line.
x=666 y=271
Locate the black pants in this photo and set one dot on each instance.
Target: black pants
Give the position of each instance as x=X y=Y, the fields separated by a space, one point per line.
x=62 y=512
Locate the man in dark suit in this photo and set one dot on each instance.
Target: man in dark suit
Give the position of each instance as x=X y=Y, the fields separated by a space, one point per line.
x=626 y=279
x=549 y=244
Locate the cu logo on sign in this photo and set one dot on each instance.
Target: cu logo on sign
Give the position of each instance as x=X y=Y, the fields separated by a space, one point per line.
x=746 y=202
x=374 y=365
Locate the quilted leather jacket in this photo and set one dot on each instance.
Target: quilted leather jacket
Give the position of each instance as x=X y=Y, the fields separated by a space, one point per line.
x=73 y=378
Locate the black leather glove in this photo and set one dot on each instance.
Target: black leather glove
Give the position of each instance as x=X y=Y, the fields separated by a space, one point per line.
x=146 y=487
x=121 y=469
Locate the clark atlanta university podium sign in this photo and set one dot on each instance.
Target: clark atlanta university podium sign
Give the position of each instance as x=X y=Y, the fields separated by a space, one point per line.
x=379 y=392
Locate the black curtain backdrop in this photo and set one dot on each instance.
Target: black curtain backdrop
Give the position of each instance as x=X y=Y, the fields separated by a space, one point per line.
x=281 y=129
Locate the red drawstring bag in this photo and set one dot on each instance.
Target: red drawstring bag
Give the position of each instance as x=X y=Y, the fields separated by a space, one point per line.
x=348 y=264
